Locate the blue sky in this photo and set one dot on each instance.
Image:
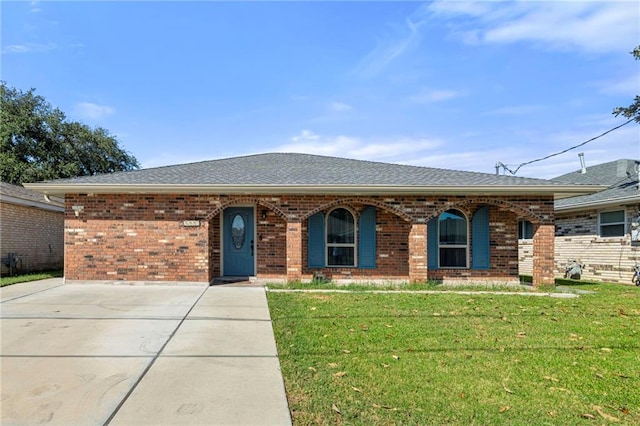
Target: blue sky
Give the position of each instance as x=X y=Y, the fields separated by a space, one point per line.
x=441 y=84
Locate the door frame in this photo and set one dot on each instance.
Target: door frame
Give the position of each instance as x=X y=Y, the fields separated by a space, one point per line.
x=253 y=237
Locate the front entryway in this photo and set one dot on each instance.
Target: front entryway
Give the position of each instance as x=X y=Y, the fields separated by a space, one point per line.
x=238 y=245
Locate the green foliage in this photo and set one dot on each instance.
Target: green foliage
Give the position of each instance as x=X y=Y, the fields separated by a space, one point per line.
x=4 y=281
x=633 y=110
x=362 y=358
x=37 y=142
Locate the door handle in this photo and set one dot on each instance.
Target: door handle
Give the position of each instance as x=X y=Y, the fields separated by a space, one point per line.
x=251 y=248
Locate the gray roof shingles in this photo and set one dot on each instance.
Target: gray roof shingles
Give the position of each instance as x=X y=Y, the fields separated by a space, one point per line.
x=17 y=191
x=302 y=170
x=21 y=193
x=620 y=175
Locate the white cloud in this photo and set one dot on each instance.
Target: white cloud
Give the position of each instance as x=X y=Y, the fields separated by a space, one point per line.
x=621 y=143
x=37 y=47
x=35 y=7
x=629 y=86
x=436 y=152
x=398 y=149
x=516 y=110
x=92 y=111
x=402 y=38
x=29 y=48
x=587 y=26
x=339 y=107
x=469 y=151
x=425 y=95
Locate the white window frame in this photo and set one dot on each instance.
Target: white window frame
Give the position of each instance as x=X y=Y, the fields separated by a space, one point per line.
x=623 y=223
x=464 y=246
x=327 y=244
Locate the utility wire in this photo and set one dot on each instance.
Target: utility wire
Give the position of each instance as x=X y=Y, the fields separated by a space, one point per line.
x=513 y=172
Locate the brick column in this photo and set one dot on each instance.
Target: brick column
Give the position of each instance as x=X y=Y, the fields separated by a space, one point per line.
x=543 y=254
x=418 y=252
x=294 y=251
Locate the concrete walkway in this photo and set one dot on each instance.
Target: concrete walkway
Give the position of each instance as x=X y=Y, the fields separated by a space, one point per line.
x=94 y=354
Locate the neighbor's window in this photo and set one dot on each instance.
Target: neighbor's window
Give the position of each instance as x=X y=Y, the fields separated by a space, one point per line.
x=525 y=230
x=612 y=224
x=341 y=238
x=453 y=239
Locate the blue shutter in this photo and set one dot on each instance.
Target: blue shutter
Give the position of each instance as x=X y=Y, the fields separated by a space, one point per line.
x=480 y=239
x=315 y=241
x=367 y=238
x=432 y=243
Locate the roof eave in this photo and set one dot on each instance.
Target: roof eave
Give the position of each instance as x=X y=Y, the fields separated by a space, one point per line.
x=559 y=191
x=53 y=205
x=600 y=204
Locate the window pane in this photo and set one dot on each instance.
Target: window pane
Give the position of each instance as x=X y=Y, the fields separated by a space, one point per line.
x=238 y=231
x=612 y=217
x=340 y=227
x=453 y=258
x=612 y=231
x=453 y=228
x=340 y=256
x=525 y=230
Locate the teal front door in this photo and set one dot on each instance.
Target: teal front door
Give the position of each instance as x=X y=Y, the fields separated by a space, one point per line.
x=238 y=241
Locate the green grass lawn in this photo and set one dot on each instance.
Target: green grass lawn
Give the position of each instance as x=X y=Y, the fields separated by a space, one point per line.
x=29 y=277
x=362 y=358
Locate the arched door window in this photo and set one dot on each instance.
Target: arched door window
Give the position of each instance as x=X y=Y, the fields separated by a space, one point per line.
x=341 y=238
x=453 y=239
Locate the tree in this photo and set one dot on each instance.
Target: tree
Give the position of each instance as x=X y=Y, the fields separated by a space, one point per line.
x=37 y=142
x=633 y=110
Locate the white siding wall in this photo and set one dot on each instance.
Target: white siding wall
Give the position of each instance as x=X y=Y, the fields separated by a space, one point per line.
x=605 y=259
x=525 y=257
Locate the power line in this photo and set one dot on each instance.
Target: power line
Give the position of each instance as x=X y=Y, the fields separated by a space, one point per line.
x=513 y=172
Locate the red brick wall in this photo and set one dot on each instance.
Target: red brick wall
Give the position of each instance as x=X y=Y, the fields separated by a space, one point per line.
x=142 y=237
x=392 y=251
x=418 y=253
x=543 y=254
x=271 y=244
x=214 y=247
x=294 y=248
x=135 y=238
x=34 y=235
x=503 y=250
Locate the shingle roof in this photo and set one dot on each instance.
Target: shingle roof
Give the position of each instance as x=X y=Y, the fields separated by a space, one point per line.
x=16 y=194
x=620 y=175
x=298 y=170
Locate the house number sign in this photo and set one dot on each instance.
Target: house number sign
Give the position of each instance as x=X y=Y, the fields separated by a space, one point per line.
x=191 y=223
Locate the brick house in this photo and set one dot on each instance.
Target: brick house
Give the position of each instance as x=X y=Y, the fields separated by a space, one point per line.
x=31 y=230
x=295 y=216
x=599 y=230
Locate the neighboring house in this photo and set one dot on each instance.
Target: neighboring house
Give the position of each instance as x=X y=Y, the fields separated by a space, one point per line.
x=31 y=230
x=296 y=216
x=599 y=230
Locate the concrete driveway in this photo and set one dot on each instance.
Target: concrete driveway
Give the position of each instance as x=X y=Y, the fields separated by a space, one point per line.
x=92 y=354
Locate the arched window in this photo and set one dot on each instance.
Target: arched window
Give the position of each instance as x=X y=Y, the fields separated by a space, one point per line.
x=341 y=238
x=453 y=239
x=335 y=239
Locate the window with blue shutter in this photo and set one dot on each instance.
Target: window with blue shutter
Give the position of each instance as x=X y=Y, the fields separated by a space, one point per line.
x=341 y=238
x=315 y=241
x=367 y=238
x=453 y=240
x=432 y=243
x=480 y=239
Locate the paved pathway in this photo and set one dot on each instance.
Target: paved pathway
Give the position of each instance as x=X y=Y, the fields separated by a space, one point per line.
x=129 y=355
